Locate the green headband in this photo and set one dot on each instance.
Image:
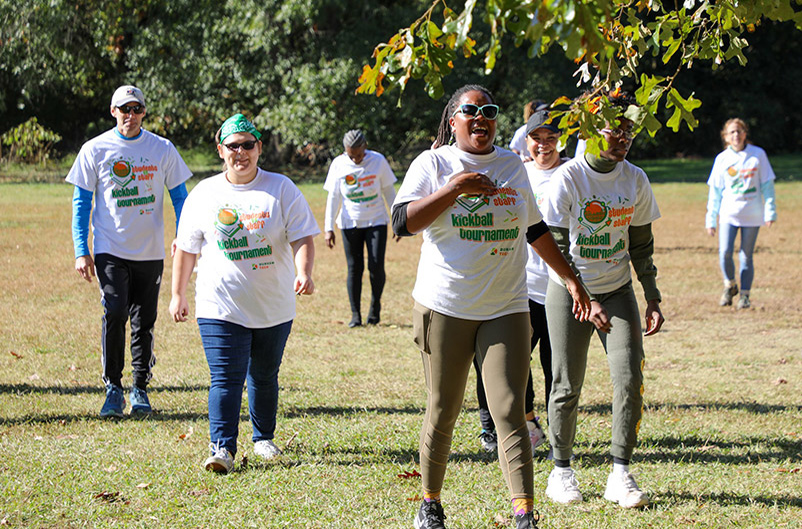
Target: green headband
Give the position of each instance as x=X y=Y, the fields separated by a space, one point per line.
x=238 y=123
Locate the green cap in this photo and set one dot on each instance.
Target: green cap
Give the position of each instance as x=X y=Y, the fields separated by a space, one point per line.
x=238 y=123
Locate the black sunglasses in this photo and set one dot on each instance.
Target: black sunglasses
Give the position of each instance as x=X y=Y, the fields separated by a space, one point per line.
x=234 y=147
x=469 y=109
x=127 y=109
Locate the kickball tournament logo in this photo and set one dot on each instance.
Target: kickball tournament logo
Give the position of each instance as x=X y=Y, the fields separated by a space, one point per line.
x=122 y=173
x=594 y=214
x=228 y=222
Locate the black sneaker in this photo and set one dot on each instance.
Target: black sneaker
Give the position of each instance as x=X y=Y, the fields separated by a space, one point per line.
x=527 y=520
x=489 y=440
x=430 y=516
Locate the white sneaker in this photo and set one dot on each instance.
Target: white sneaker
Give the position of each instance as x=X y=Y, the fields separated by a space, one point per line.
x=562 y=486
x=622 y=489
x=536 y=434
x=220 y=461
x=266 y=449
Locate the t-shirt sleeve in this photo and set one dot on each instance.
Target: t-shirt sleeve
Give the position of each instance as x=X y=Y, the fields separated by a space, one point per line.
x=417 y=183
x=557 y=208
x=83 y=172
x=189 y=237
x=298 y=219
x=646 y=210
x=176 y=171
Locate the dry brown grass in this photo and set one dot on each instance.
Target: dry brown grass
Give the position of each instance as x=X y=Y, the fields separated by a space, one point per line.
x=721 y=439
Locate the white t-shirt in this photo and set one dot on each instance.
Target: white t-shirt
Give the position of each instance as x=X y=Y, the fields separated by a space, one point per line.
x=598 y=209
x=740 y=176
x=518 y=141
x=128 y=177
x=247 y=268
x=537 y=271
x=473 y=256
x=359 y=189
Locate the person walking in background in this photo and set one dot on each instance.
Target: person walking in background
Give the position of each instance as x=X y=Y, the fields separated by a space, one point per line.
x=600 y=210
x=255 y=231
x=359 y=184
x=542 y=137
x=742 y=198
x=518 y=142
x=125 y=171
x=473 y=203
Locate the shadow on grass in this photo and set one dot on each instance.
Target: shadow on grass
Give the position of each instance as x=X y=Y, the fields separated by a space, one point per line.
x=25 y=389
x=333 y=411
x=726 y=498
x=67 y=418
x=710 y=407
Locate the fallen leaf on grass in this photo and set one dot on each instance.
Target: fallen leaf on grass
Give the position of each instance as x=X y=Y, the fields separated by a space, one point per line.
x=779 y=381
x=500 y=521
x=34 y=377
x=783 y=361
x=68 y=436
x=184 y=436
x=407 y=474
x=143 y=485
x=72 y=368
x=707 y=448
x=201 y=492
x=110 y=469
x=415 y=498
x=17 y=356
x=288 y=443
x=111 y=497
x=791 y=471
x=4 y=521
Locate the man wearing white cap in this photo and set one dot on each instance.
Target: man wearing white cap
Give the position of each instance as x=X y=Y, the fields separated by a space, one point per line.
x=126 y=170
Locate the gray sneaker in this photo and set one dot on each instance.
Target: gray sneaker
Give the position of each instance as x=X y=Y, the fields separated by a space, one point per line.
x=221 y=461
x=726 y=297
x=140 y=405
x=743 y=302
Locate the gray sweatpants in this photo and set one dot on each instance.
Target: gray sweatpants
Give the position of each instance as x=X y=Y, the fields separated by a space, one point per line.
x=448 y=346
x=569 y=345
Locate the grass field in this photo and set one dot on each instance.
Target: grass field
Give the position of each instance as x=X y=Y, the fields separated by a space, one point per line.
x=721 y=441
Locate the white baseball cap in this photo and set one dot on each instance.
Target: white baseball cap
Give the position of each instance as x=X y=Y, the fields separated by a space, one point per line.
x=126 y=94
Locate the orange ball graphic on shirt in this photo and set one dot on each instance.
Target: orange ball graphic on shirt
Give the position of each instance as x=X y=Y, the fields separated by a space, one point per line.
x=121 y=168
x=227 y=216
x=595 y=211
x=350 y=179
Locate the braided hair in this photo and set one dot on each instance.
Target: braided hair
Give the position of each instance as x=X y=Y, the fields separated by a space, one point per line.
x=354 y=138
x=444 y=134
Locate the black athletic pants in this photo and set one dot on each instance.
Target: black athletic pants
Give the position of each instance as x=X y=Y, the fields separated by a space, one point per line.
x=128 y=289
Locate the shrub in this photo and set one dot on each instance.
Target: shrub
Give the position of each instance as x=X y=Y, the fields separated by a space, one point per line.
x=29 y=142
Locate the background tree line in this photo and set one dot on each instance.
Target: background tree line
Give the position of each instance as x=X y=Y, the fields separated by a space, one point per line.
x=293 y=66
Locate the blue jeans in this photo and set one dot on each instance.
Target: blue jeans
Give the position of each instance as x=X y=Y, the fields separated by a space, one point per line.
x=726 y=246
x=235 y=353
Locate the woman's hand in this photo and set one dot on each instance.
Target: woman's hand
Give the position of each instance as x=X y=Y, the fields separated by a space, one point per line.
x=711 y=232
x=330 y=239
x=599 y=317
x=304 y=285
x=471 y=183
x=654 y=318
x=581 y=308
x=179 y=308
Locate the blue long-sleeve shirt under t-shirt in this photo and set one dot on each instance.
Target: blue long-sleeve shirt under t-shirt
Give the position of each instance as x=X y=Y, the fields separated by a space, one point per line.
x=82 y=209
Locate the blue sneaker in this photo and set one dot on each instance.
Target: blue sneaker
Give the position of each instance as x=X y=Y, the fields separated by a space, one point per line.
x=115 y=402
x=139 y=401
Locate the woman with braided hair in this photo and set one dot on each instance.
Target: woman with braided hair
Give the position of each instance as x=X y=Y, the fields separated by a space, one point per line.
x=474 y=206
x=360 y=183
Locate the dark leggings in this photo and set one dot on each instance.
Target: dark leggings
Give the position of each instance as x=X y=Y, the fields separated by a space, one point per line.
x=354 y=240
x=540 y=333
